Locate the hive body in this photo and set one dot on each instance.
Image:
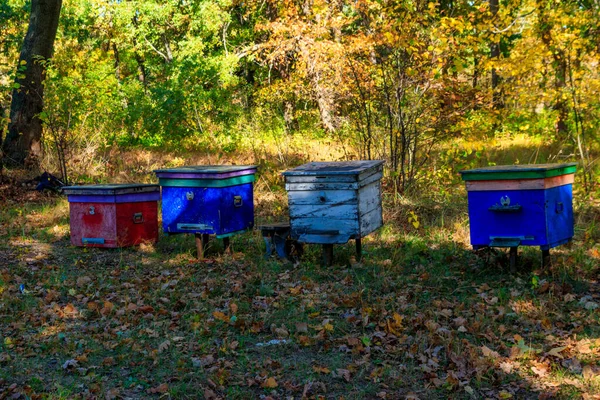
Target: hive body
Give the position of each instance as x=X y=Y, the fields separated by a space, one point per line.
x=113 y=215
x=530 y=205
x=207 y=199
x=333 y=202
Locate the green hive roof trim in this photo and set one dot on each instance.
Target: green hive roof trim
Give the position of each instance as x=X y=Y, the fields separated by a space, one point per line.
x=526 y=171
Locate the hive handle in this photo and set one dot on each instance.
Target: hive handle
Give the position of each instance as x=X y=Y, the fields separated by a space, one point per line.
x=505 y=209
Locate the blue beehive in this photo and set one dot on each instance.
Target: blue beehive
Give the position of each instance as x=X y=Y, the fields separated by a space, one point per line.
x=530 y=205
x=207 y=199
x=333 y=202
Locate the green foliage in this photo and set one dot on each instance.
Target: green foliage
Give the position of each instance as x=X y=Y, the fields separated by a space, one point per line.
x=408 y=82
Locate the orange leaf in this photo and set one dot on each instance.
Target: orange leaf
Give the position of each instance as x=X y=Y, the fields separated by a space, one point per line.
x=220 y=316
x=321 y=370
x=270 y=383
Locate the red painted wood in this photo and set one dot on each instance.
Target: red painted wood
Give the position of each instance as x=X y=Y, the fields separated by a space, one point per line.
x=521 y=184
x=99 y=222
x=132 y=231
x=114 y=222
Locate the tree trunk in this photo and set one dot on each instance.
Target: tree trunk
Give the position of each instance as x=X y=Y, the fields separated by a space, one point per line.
x=559 y=64
x=24 y=136
x=495 y=55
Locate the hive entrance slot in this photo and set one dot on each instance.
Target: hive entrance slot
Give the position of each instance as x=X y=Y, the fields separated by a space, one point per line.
x=505 y=242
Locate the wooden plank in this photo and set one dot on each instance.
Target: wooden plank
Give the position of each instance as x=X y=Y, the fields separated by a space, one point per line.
x=323 y=239
x=321 y=179
x=334 y=168
x=331 y=197
x=333 y=186
x=320 y=186
x=348 y=211
x=371 y=221
x=373 y=178
x=369 y=198
x=333 y=178
x=520 y=184
x=366 y=174
x=347 y=227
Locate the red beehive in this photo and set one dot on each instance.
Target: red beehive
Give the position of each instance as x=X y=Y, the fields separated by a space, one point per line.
x=117 y=215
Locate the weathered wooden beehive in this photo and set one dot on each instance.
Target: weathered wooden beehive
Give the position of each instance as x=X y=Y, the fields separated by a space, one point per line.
x=207 y=199
x=521 y=205
x=117 y=215
x=333 y=202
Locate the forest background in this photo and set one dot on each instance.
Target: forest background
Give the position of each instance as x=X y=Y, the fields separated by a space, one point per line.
x=430 y=87
x=127 y=87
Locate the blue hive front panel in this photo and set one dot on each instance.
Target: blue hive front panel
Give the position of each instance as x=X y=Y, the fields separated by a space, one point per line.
x=535 y=217
x=219 y=211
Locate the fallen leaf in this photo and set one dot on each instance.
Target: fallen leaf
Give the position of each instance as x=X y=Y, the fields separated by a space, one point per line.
x=540 y=371
x=112 y=393
x=162 y=388
x=146 y=309
x=489 y=352
x=344 y=373
x=221 y=316
x=321 y=370
x=555 y=352
x=506 y=366
x=270 y=383
x=164 y=346
x=301 y=327
x=108 y=307
x=83 y=281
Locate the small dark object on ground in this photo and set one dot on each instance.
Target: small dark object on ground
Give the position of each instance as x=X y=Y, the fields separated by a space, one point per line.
x=47 y=181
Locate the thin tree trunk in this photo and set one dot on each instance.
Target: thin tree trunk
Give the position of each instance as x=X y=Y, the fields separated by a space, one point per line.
x=24 y=138
x=495 y=55
x=559 y=64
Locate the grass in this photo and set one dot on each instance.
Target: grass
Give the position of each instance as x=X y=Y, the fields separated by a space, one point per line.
x=421 y=314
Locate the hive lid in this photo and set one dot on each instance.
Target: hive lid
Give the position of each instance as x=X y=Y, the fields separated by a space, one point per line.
x=111 y=189
x=526 y=171
x=334 y=168
x=208 y=169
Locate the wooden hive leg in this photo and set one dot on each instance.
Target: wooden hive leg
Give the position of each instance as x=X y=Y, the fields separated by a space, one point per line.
x=358 y=249
x=201 y=244
x=327 y=255
x=227 y=245
x=513 y=259
x=545 y=257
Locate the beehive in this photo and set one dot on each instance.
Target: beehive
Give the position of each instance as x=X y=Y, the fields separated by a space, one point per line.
x=528 y=205
x=207 y=199
x=116 y=215
x=333 y=202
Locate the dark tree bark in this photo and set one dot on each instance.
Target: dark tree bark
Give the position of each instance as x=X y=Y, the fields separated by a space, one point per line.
x=559 y=64
x=495 y=54
x=24 y=137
